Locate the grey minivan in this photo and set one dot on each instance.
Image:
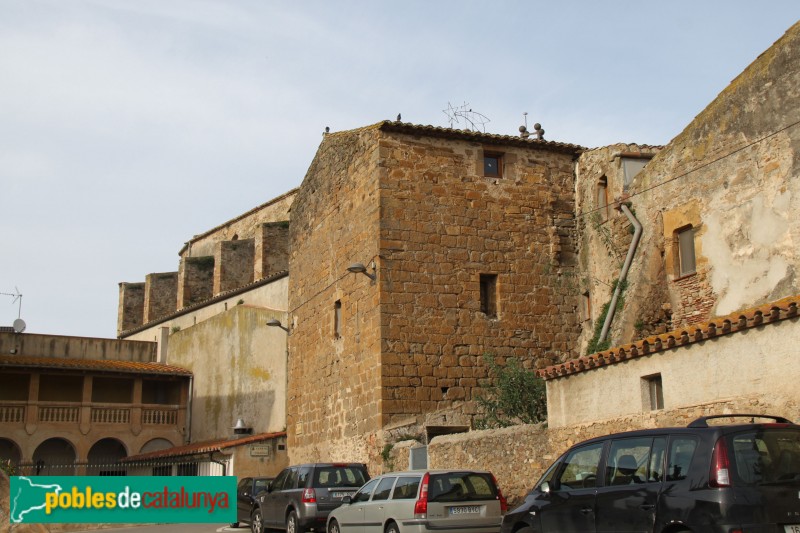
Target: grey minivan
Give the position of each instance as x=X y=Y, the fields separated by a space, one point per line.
x=301 y=496
x=421 y=501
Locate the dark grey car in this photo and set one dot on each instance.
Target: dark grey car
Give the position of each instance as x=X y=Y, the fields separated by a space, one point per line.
x=301 y=497
x=246 y=492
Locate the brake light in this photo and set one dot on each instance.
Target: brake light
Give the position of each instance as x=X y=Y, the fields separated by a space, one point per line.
x=720 y=473
x=421 y=507
x=309 y=496
x=503 y=501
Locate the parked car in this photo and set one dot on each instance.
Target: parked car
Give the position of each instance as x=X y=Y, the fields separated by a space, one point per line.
x=727 y=478
x=246 y=492
x=418 y=501
x=300 y=497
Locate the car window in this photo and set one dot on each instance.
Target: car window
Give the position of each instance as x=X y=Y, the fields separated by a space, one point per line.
x=681 y=451
x=548 y=475
x=406 y=488
x=339 y=476
x=461 y=486
x=243 y=484
x=655 y=471
x=765 y=456
x=279 y=481
x=291 y=480
x=303 y=476
x=579 y=469
x=628 y=461
x=384 y=489
x=260 y=484
x=365 y=492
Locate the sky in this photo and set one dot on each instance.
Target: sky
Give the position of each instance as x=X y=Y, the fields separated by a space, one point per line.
x=129 y=126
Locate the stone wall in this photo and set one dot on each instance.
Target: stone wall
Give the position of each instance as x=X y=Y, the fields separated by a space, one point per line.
x=195 y=280
x=272 y=249
x=519 y=455
x=62 y=346
x=130 y=313
x=233 y=264
x=731 y=176
x=160 y=295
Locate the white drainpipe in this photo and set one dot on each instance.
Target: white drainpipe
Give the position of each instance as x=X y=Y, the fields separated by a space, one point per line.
x=612 y=308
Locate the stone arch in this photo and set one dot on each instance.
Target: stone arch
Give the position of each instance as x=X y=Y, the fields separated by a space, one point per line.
x=55 y=457
x=104 y=457
x=155 y=445
x=10 y=451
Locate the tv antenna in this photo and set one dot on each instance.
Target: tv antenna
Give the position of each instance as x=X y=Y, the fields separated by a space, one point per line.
x=17 y=296
x=463 y=114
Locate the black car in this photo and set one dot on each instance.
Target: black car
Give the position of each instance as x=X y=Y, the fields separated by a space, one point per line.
x=246 y=492
x=724 y=478
x=301 y=497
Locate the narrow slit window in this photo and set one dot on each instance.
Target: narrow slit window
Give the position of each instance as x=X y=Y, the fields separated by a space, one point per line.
x=685 y=245
x=489 y=295
x=655 y=391
x=587 y=306
x=602 y=197
x=337 y=319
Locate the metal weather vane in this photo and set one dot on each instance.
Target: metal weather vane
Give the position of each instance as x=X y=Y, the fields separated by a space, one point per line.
x=464 y=115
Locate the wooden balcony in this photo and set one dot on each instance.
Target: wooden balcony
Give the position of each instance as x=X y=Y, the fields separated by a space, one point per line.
x=91 y=414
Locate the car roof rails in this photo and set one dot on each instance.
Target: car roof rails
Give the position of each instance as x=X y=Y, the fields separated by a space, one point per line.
x=702 y=422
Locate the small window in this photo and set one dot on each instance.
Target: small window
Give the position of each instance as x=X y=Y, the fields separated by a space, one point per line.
x=337 y=319
x=655 y=392
x=684 y=239
x=187 y=469
x=489 y=295
x=492 y=165
x=587 y=306
x=602 y=197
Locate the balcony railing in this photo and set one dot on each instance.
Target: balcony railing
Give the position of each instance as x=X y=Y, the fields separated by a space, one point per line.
x=59 y=413
x=110 y=415
x=160 y=416
x=12 y=413
x=17 y=412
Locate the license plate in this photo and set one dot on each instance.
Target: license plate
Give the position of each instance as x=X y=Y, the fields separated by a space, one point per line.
x=795 y=528
x=467 y=509
x=339 y=494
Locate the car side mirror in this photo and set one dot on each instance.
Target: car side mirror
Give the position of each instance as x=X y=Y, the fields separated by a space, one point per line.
x=347 y=500
x=269 y=487
x=245 y=493
x=545 y=488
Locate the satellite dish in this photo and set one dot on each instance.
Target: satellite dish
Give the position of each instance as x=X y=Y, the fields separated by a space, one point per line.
x=19 y=325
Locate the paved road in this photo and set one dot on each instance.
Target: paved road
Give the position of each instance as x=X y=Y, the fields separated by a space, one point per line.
x=174 y=528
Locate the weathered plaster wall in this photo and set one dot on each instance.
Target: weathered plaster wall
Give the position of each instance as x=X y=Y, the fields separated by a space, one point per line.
x=32 y=344
x=759 y=362
x=732 y=175
x=239 y=368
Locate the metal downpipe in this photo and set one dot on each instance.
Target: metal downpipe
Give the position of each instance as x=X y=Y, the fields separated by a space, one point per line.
x=612 y=308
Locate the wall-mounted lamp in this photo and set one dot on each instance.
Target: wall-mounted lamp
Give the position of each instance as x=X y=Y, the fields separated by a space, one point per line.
x=359 y=268
x=275 y=323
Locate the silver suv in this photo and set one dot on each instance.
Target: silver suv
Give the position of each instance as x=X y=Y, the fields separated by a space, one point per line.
x=421 y=501
x=301 y=496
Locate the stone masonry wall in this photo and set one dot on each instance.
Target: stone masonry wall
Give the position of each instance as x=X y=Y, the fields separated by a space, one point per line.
x=272 y=248
x=195 y=280
x=160 y=295
x=233 y=264
x=333 y=398
x=130 y=312
x=443 y=224
x=519 y=455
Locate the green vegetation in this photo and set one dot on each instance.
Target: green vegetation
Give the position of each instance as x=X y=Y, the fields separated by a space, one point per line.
x=174 y=329
x=515 y=396
x=595 y=346
x=386 y=455
x=8 y=468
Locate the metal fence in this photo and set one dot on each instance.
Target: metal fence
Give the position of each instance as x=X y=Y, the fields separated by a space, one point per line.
x=177 y=467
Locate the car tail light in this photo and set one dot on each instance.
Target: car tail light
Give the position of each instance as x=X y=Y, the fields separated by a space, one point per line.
x=503 y=501
x=309 y=496
x=421 y=507
x=720 y=473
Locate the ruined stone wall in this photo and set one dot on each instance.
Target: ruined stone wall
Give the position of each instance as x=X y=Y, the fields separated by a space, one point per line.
x=160 y=295
x=272 y=248
x=233 y=264
x=731 y=176
x=130 y=312
x=333 y=398
x=443 y=225
x=195 y=280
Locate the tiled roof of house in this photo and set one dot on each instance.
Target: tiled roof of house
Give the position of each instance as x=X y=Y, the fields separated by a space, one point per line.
x=208 y=446
x=95 y=365
x=726 y=325
x=477 y=136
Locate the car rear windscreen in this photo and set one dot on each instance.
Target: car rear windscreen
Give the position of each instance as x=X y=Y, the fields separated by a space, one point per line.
x=461 y=487
x=339 y=476
x=765 y=456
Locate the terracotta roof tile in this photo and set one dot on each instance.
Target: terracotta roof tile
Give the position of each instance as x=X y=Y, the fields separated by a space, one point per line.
x=96 y=365
x=725 y=325
x=208 y=446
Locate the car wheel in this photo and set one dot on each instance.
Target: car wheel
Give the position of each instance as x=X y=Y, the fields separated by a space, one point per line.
x=333 y=527
x=291 y=523
x=257 y=523
x=391 y=527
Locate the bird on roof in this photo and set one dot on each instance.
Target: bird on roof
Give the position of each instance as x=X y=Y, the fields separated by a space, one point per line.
x=327 y=129
x=398 y=117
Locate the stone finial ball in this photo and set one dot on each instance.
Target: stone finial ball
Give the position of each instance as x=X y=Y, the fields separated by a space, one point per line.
x=537 y=126
x=522 y=129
